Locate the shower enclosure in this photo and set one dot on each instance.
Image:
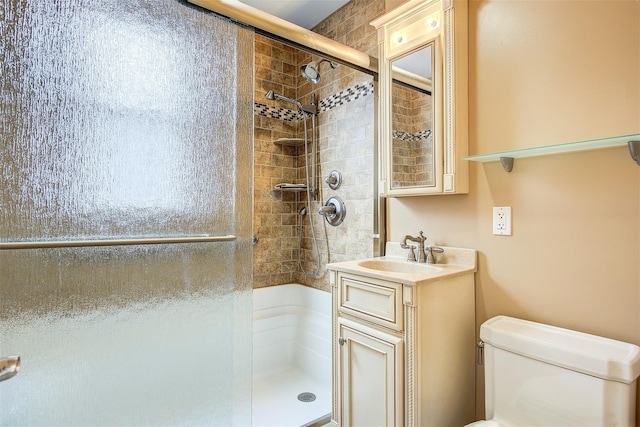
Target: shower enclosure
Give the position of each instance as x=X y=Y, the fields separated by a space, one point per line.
x=345 y=133
x=125 y=220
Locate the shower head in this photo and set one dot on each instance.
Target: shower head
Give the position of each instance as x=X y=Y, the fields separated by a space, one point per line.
x=273 y=96
x=310 y=71
x=303 y=211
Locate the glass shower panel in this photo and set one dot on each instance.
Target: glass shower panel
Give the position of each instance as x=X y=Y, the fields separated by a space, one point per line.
x=125 y=120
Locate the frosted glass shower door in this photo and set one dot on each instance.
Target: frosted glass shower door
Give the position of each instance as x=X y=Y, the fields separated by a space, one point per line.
x=125 y=123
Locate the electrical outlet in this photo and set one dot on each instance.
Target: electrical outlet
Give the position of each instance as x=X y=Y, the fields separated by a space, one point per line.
x=502 y=221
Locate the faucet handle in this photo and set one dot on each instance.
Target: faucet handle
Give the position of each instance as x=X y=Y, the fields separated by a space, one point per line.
x=429 y=250
x=411 y=256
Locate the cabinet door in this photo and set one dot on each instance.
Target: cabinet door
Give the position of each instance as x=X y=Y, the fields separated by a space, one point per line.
x=371 y=377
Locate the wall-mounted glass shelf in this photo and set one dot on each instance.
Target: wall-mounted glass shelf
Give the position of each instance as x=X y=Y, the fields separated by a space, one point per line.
x=545 y=150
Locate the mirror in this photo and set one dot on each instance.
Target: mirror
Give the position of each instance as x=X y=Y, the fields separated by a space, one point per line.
x=423 y=105
x=412 y=148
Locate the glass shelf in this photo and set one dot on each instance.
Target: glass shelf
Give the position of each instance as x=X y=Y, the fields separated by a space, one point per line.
x=544 y=150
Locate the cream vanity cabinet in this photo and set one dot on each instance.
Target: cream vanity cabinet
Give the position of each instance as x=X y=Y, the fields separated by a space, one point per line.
x=403 y=347
x=423 y=98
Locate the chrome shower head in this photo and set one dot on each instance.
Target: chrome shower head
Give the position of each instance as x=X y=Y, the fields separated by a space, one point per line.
x=310 y=71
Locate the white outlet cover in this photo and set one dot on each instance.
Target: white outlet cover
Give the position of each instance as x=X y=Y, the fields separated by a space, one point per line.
x=502 y=221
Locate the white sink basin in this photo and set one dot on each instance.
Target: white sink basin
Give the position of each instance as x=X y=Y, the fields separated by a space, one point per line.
x=398 y=266
x=394 y=266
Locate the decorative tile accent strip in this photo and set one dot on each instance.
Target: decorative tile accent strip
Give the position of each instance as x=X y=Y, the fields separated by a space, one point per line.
x=275 y=112
x=333 y=101
x=407 y=136
x=347 y=95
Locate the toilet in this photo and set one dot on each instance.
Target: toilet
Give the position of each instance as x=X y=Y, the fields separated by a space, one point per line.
x=541 y=375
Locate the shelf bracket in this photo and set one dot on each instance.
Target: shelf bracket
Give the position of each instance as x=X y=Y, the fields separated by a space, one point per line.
x=634 y=150
x=507 y=163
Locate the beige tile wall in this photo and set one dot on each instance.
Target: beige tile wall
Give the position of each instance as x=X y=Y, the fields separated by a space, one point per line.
x=274 y=211
x=412 y=155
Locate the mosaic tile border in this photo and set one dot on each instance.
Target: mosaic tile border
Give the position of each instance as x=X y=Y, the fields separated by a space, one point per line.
x=275 y=112
x=350 y=94
x=407 y=136
x=336 y=100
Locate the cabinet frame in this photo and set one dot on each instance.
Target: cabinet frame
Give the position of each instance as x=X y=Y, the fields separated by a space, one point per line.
x=451 y=136
x=435 y=369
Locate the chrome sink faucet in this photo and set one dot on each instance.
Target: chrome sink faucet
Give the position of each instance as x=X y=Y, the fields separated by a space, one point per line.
x=420 y=240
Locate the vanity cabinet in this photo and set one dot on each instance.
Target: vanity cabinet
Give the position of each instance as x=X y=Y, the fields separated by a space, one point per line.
x=423 y=98
x=403 y=350
x=371 y=366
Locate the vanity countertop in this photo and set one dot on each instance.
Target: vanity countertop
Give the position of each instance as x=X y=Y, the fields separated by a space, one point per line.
x=395 y=267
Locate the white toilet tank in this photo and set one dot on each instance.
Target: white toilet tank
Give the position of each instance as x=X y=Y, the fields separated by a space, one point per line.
x=541 y=375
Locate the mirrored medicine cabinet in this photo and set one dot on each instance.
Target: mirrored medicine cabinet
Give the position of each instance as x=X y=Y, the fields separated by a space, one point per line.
x=422 y=46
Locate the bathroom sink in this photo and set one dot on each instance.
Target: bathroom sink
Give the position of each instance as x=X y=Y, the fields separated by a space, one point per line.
x=394 y=267
x=398 y=266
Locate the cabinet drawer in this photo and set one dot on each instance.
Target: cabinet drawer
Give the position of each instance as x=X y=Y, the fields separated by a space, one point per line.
x=374 y=300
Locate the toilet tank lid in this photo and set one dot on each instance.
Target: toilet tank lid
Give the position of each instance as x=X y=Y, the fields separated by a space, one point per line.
x=591 y=354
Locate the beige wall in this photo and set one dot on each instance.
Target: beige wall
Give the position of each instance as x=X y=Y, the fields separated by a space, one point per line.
x=542 y=73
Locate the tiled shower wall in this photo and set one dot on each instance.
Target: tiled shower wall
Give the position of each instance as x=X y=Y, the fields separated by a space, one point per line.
x=345 y=138
x=274 y=215
x=412 y=137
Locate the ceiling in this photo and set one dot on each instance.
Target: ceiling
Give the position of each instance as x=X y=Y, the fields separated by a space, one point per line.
x=305 y=13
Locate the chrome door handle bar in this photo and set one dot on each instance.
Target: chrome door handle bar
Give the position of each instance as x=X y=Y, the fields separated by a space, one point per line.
x=9 y=367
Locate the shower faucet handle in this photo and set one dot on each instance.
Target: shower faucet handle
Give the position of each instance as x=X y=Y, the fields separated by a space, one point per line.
x=327 y=210
x=334 y=211
x=334 y=180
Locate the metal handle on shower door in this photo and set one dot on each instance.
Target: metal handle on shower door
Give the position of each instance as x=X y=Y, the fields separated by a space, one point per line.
x=9 y=367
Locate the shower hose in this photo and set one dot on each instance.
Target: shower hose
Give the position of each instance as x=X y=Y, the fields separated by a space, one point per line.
x=316 y=273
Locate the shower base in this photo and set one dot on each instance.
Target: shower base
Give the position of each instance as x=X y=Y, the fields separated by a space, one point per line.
x=275 y=401
x=291 y=356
